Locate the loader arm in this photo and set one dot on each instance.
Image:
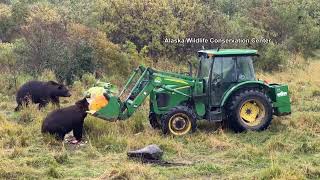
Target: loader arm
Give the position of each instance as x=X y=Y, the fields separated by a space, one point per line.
x=148 y=80
x=139 y=92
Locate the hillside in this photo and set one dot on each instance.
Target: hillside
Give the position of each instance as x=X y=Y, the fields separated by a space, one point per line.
x=288 y=149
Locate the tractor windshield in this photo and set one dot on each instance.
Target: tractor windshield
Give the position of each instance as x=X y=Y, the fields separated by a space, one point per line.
x=204 y=68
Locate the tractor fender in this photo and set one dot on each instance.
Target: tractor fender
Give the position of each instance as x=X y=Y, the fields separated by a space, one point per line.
x=242 y=85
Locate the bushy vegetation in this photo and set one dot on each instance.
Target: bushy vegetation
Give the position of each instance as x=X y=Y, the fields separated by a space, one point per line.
x=110 y=37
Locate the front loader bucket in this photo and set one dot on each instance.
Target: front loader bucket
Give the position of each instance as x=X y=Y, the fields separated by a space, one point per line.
x=102 y=101
x=110 y=111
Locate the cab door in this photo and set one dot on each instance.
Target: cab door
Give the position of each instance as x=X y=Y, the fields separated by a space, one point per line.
x=223 y=76
x=204 y=73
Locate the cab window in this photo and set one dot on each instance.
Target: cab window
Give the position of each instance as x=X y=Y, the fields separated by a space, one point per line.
x=224 y=69
x=245 y=68
x=205 y=65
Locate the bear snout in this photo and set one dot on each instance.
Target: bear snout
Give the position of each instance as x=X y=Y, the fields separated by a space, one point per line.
x=68 y=94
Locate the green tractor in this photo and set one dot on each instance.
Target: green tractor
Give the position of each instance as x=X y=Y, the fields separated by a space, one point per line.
x=224 y=89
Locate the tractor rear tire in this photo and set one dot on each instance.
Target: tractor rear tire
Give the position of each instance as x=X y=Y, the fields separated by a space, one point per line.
x=249 y=109
x=179 y=121
x=154 y=121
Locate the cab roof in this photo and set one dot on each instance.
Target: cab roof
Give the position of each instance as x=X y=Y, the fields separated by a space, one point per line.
x=229 y=52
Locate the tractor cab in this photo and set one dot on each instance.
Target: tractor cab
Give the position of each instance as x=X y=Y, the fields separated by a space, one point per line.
x=222 y=69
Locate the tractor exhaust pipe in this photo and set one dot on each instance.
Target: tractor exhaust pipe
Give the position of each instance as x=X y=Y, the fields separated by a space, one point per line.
x=190 y=68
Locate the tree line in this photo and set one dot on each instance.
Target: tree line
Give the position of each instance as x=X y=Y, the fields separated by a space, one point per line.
x=107 y=37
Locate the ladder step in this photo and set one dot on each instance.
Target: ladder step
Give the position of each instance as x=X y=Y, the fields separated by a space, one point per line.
x=215 y=116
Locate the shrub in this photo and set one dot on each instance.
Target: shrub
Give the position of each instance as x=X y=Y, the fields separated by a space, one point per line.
x=6 y=22
x=273 y=57
x=47 y=75
x=88 y=79
x=69 y=50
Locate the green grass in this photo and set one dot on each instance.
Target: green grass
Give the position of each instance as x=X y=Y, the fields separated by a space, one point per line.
x=288 y=149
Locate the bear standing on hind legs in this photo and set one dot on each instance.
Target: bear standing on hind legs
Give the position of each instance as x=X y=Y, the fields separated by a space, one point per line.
x=62 y=121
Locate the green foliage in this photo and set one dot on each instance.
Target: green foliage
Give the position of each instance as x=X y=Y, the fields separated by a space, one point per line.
x=132 y=54
x=81 y=63
x=88 y=80
x=109 y=38
x=272 y=57
x=6 y=22
x=69 y=50
x=45 y=36
x=7 y=56
x=10 y=66
x=47 y=75
x=138 y=22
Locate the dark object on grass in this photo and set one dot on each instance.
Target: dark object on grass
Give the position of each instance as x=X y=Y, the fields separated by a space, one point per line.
x=150 y=152
x=39 y=92
x=62 y=121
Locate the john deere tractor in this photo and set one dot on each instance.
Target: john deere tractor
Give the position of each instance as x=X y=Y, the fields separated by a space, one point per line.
x=225 y=88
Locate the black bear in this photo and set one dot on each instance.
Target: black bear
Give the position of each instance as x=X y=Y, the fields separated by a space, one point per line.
x=41 y=93
x=62 y=121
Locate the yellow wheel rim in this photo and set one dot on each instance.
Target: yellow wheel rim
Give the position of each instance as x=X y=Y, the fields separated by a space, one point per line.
x=179 y=124
x=252 y=112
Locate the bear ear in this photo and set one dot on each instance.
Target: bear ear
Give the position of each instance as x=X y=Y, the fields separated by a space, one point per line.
x=83 y=103
x=53 y=83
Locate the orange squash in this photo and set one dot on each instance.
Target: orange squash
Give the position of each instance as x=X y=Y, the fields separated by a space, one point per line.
x=97 y=103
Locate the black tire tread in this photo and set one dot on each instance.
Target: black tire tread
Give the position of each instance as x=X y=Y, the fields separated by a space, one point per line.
x=232 y=121
x=153 y=121
x=190 y=112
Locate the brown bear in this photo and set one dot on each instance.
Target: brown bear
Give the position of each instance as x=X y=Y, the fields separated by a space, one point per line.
x=62 y=121
x=41 y=93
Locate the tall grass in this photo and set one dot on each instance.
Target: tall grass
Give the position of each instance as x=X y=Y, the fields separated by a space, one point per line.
x=288 y=149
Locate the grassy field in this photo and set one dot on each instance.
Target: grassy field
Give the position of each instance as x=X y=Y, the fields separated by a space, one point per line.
x=288 y=149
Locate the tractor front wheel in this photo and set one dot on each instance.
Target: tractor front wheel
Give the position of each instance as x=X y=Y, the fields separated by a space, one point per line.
x=179 y=121
x=249 y=110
